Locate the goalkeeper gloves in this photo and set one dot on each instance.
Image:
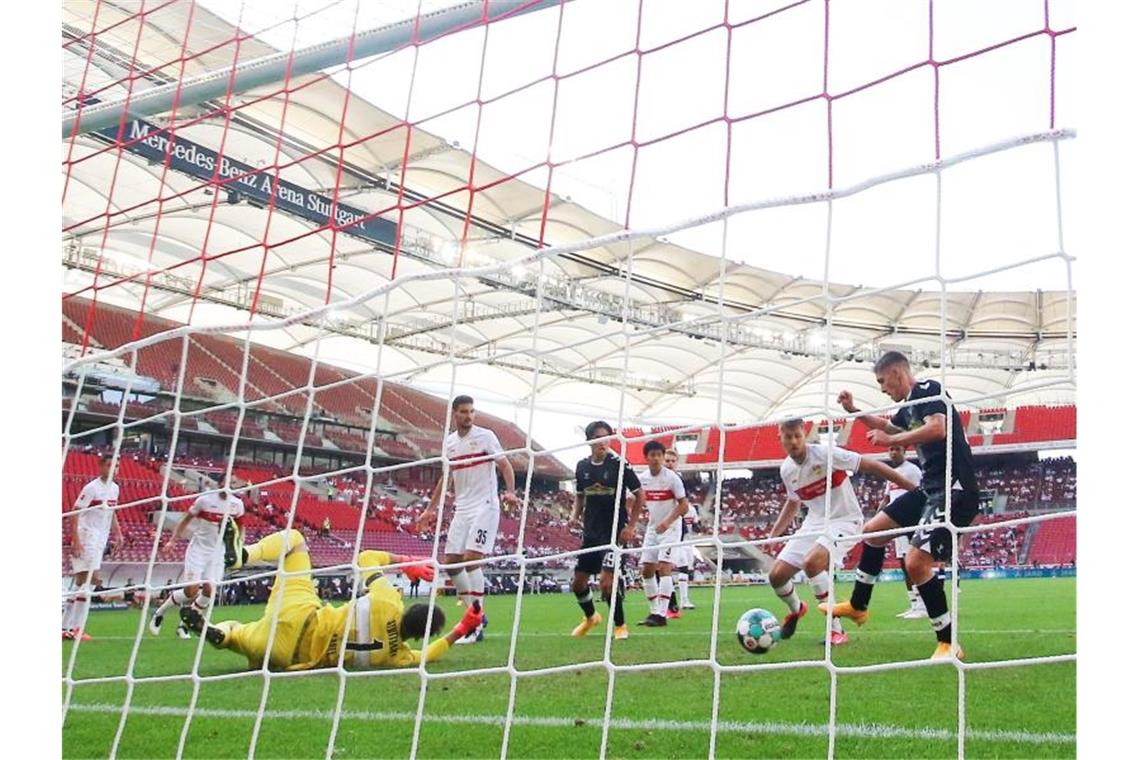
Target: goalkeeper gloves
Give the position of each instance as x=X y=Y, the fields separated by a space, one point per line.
x=423 y=572
x=472 y=620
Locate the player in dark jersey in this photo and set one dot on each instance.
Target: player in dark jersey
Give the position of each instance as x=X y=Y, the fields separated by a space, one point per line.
x=602 y=480
x=924 y=425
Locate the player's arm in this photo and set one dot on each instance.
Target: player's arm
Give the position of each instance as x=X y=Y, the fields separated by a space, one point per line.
x=681 y=508
x=471 y=620
x=869 y=466
x=179 y=530
x=116 y=530
x=82 y=502
x=576 y=513
x=579 y=495
x=428 y=515
x=873 y=421
x=508 y=473
x=787 y=514
x=633 y=485
x=420 y=569
x=503 y=463
x=933 y=430
x=677 y=513
x=634 y=514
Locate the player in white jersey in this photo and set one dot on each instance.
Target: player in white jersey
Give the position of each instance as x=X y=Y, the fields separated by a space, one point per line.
x=204 y=524
x=682 y=555
x=805 y=476
x=897 y=458
x=93 y=523
x=473 y=455
x=666 y=503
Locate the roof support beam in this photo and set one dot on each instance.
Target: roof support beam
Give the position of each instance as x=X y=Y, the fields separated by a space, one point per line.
x=272 y=68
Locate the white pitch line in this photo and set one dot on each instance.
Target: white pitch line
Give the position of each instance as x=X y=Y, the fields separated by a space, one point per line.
x=858 y=730
x=925 y=631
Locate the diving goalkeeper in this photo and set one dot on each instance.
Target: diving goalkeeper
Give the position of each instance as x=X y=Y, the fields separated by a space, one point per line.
x=311 y=634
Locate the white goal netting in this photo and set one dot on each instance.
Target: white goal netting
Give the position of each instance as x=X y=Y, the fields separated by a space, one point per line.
x=286 y=223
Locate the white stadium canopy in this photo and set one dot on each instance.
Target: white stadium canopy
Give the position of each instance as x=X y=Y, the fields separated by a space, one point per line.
x=1006 y=334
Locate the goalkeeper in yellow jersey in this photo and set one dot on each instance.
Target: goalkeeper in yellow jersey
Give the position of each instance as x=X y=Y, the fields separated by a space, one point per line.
x=371 y=631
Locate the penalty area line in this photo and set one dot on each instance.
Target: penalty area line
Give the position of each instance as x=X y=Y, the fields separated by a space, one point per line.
x=857 y=730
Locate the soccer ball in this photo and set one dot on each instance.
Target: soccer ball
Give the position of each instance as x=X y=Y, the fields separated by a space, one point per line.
x=758 y=630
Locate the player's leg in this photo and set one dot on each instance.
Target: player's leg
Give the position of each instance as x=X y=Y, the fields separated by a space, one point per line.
x=817 y=566
x=458 y=535
x=480 y=543
x=291 y=599
x=904 y=511
x=75 y=608
x=614 y=595
x=664 y=585
x=683 y=576
x=916 y=608
x=588 y=564
x=649 y=582
x=933 y=544
x=780 y=578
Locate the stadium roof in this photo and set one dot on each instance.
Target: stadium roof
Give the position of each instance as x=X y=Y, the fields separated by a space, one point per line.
x=664 y=364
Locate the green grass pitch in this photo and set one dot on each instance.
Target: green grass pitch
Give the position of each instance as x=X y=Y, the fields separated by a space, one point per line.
x=1011 y=712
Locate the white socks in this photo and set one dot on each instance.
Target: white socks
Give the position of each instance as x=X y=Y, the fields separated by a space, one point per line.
x=651 y=592
x=664 y=591
x=475 y=585
x=787 y=594
x=459 y=580
x=683 y=589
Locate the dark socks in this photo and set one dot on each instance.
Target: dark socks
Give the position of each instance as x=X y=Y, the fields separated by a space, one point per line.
x=934 y=597
x=586 y=602
x=619 y=609
x=870 y=565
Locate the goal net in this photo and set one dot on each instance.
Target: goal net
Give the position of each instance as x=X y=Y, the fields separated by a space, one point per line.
x=293 y=232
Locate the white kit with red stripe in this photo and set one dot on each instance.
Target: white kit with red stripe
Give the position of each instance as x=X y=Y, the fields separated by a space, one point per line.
x=806 y=482
x=472 y=461
x=98 y=500
x=210 y=509
x=662 y=492
x=204 y=555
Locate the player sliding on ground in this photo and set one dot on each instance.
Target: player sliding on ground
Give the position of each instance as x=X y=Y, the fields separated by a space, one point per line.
x=311 y=634
x=602 y=480
x=805 y=477
x=666 y=502
x=204 y=523
x=924 y=425
x=473 y=454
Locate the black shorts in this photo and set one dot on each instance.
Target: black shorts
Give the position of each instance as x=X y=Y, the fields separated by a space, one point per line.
x=598 y=561
x=923 y=509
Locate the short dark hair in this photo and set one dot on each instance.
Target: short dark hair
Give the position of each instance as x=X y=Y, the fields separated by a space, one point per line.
x=459 y=401
x=651 y=446
x=415 y=618
x=594 y=426
x=890 y=359
x=792 y=423
x=106 y=458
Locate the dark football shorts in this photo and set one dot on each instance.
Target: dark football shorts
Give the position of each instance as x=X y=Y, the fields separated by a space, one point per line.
x=926 y=511
x=598 y=561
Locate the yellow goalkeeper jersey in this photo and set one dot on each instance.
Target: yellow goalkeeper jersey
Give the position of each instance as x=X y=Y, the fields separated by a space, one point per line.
x=373 y=633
